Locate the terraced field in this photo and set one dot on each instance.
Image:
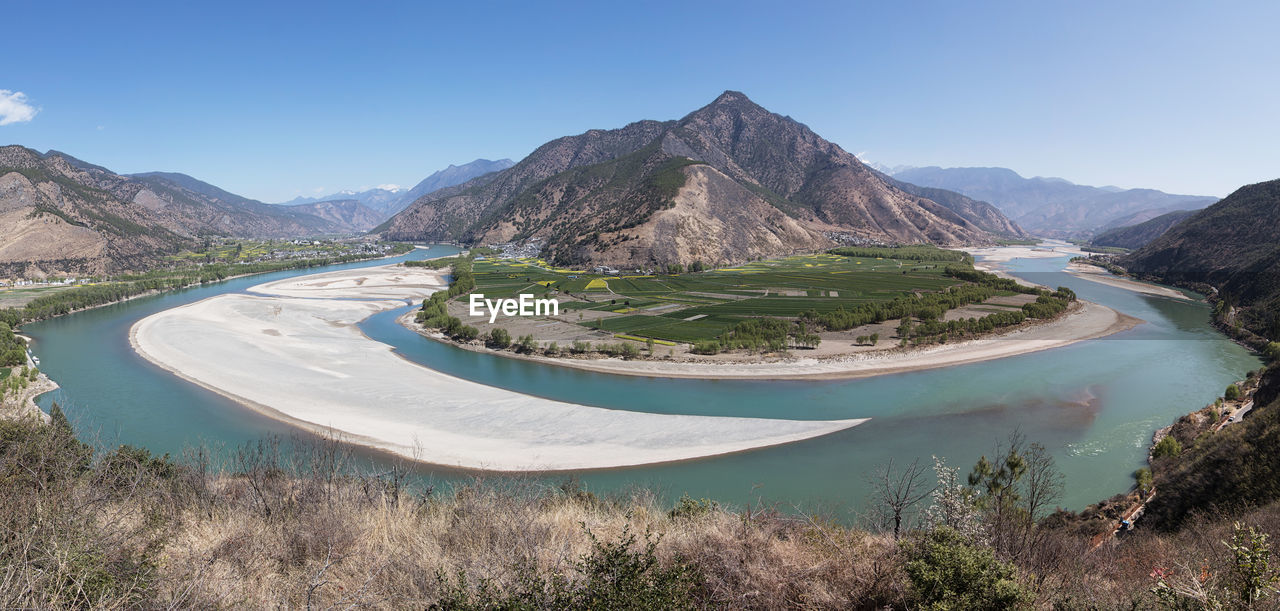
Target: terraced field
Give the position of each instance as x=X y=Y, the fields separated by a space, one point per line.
x=698 y=306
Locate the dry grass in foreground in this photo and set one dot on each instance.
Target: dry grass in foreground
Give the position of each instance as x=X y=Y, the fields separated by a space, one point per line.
x=293 y=526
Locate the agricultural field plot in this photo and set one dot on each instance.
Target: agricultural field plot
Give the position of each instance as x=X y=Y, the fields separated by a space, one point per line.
x=18 y=297
x=703 y=305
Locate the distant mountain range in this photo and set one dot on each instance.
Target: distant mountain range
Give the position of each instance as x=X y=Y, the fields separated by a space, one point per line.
x=61 y=214
x=728 y=182
x=387 y=202
x=1054 y=207
x=1233 y=246
x=1139 y=234
x=984 y=215
x=377 y=199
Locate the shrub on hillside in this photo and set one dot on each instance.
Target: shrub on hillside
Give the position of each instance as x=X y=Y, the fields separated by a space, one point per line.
x=622 y=574
x=947 y=571
x=1168 y=446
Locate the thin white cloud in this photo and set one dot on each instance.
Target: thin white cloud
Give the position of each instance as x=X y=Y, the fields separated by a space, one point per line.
x=389 y=187
x=14 y=107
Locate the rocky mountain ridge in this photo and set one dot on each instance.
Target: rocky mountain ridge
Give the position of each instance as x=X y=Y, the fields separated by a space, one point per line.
x=60 y=214
x=1138 y=235
x=727 y=182
x=1232 y=246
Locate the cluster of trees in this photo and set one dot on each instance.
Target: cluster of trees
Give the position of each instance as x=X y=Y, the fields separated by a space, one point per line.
x=968 y=274
x=1047 y=305
x=929 y=308
x=13 y=351
x=929 y=331
x=18 y=381
x=435 y=313
x=917 y=252
x=964 y=539
x=526 y=344
x=463 y=279
x=869 y=340
x=1103 y=261
x=625 y=350
x=772 y=334
x=498 y=338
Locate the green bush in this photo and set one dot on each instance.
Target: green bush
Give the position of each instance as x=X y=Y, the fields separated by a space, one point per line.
x=1143 y=478
x=526 y=344
x=1233 y=393
x=466 y=333
x=128 y=465
x=625 y=350
x=706 y=347
x=624 y=574
x=1168 y=446
x=688 y=508
x=947 y=571
x=499 y=338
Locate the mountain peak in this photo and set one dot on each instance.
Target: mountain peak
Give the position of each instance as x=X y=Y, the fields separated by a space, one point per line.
x=769 y=183
x=731 y=97
x=734 y=101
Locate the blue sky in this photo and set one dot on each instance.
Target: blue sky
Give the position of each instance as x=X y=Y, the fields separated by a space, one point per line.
x=272 y=100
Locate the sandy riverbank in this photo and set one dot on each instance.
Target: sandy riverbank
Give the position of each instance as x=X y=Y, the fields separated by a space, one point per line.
x=1086 y=321
x=1101 y=276
x=1045 y=250
x=992 y=259
x=293 y=352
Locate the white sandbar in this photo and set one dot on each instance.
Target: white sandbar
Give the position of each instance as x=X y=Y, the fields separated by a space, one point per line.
x=1102 y=276
x=295 y=353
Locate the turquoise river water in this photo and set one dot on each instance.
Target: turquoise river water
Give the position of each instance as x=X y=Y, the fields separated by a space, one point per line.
x=1094 y=404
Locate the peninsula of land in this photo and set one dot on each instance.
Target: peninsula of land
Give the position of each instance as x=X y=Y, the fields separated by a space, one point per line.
x=578 y=336
x=1085 y=321
x=292 y=350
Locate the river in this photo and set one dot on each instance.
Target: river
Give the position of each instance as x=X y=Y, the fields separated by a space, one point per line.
x=1093 y=404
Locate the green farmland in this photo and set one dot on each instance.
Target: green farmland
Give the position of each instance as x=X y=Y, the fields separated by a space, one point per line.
x=699 y=306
